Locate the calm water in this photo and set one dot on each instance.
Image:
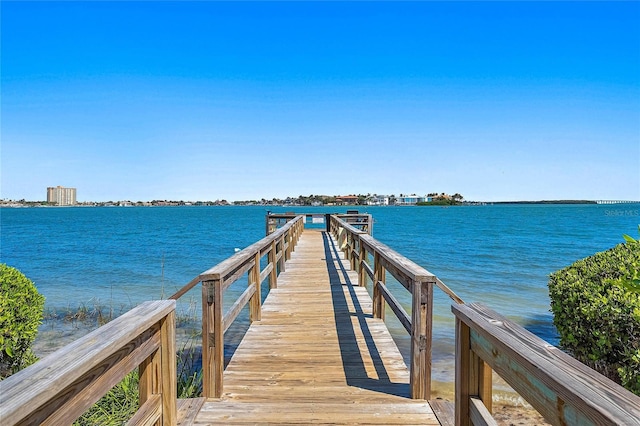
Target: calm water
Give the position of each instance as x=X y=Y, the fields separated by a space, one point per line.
x=500 y=255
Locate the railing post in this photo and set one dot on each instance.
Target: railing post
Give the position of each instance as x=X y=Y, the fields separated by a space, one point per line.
x=472 y=376
x=362 y=276
x=462 y=376
x=157 y=373
x=301 y=229
x=421 y=334
x=351 y=248
x=287 y=250
x=255 y=305
x=296 y=233
x=341 y=238
x=212 y=339
x=168 y=367
x=379 y=277
x=282 y=255
x=273 y=275
x=267 y=230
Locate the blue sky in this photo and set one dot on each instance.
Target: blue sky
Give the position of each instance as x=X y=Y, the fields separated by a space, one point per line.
x=208 y=100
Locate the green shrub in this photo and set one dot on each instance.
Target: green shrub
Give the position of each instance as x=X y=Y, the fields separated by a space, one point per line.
x=21 y=308
x=596 y=310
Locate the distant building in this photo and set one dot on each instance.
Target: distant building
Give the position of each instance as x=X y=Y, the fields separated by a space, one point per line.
x=411 y=200
x=347 y=200
x=61 y=196
x=378 y=200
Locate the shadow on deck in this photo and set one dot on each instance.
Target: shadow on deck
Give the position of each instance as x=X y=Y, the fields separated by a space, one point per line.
x=352 y=360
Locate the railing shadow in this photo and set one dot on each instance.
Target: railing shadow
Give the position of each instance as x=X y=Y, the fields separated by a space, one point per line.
x=352 y=360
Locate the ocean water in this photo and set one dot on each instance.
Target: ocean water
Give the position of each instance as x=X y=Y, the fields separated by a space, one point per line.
x=117 y=257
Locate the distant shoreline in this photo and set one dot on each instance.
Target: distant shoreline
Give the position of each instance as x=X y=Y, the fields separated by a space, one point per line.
x=547 y=202
x=41 y=204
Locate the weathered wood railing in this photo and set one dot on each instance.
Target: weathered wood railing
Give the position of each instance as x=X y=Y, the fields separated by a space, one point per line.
x=361 y=221
x=563 y=390
x=359 y=247
x=62 y=386
x=277 y=248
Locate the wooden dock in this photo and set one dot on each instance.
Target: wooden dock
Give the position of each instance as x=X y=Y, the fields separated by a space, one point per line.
x=317 y=356
x=317 y=350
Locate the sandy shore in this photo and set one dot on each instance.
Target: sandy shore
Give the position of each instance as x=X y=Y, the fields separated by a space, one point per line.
x=509 y=408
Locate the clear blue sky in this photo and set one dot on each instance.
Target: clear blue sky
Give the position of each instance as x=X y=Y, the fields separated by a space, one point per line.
x=208 y=100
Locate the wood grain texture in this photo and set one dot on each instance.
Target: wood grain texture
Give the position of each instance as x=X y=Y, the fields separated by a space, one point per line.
x=562 y=389
x=317 y=356
x=480 y=415
x=234 y=310
x=149 y=413
x=62 y=385
x=444 y=411
x=168 y=383
x=421 y=335
x=188 y=409
x=395 y=306
x=240 y=259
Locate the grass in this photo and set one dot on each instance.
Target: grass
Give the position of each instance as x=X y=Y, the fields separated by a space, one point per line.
x=122 y=401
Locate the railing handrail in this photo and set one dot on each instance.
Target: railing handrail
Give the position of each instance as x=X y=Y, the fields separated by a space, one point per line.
x=403 y=264
x=357 y=246
x=63 y=385
x=364 y=220
x=558 y=386
x=232 y=263
x=278 y=247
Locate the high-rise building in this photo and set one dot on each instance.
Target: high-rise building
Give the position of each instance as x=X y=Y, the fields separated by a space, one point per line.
x=61 y=196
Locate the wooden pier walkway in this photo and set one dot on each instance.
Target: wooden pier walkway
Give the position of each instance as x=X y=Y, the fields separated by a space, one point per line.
x=317 y=356
x=317 y=350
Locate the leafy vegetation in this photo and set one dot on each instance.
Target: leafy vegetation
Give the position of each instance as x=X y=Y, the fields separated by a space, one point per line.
x=442 y=200
x=21 y=308
x=596 y=307
x=632 y=281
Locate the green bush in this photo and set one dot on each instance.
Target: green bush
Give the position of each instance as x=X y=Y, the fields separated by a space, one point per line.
x=596 y=308
x=21 y=308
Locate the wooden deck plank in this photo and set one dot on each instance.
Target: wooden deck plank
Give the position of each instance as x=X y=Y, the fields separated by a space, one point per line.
x=188 y=409
x=317 y=356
